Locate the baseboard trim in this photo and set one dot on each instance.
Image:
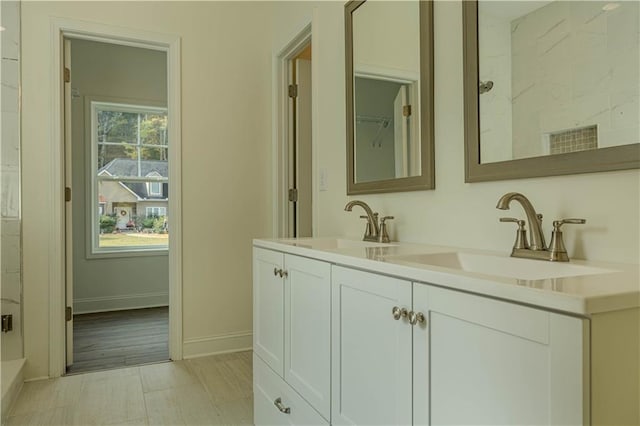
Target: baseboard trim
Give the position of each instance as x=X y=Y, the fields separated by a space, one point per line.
x=212 y=345
x=12 y=380
x=118 y=303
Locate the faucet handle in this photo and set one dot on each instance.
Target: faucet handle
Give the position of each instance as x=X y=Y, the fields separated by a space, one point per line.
x=384 y=236
x=558 y=223
x=521 y=234
x=557 y=249
x=520 y=222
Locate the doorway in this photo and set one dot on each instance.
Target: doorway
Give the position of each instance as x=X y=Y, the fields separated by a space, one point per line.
x=293 y=184
x=300 y=143
x=117 y=224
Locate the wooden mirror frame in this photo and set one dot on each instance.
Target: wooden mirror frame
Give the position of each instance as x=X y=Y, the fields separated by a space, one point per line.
x=426 y=180
x=598 y=160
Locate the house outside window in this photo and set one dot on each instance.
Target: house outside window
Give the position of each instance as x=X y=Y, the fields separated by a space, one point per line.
x=130 y=178
x=156 y=211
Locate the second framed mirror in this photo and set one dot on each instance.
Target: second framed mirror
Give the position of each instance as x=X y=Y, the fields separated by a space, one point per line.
x=389 y=96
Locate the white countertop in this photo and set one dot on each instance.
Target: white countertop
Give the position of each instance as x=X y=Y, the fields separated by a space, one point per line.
x=617 y=288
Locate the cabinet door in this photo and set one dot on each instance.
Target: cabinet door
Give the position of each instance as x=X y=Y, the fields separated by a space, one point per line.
x=268 y=309
x=371 y=352
x=483 y=361
x=307 y=330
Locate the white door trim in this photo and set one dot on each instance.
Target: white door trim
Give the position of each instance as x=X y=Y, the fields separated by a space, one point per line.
x=280 y=138
x=61 y=28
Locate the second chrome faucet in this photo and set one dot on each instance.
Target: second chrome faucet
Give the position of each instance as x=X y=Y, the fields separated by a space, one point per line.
x=535 y=247
x=375 y=231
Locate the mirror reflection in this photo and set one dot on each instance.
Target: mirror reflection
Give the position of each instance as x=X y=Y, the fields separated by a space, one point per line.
x=557 y=77
x=389 y=102
x=386 y=90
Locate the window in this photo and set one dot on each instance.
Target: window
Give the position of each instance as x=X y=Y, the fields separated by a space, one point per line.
x=156 y=211
x=129 y=168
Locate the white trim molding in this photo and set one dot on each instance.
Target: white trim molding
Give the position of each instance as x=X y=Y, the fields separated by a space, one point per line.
x=280 y=129
x=223 y=343
x=88 y=305
x=67 y=28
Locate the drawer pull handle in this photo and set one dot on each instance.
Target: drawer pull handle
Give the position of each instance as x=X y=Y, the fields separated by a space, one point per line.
x=399 y=313
x=278 y=403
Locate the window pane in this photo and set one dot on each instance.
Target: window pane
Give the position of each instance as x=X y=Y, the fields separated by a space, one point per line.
x=152 y=153
x=116 y=126
x=108 y=153
x=131 y=218
x=153 y=129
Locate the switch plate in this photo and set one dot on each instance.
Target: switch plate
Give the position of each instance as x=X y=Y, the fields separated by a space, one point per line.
x=323 y=184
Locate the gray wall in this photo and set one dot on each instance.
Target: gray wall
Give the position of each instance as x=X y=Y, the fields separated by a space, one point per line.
x=115 y=72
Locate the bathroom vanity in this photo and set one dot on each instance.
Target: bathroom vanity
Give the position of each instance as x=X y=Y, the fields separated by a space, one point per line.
x=354 y=332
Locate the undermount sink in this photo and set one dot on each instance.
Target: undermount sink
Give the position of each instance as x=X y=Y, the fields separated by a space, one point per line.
x=508 y=267
x=335 y=243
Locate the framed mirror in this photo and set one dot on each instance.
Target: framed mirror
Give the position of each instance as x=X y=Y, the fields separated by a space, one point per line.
x=389 y=96
x=551 y=88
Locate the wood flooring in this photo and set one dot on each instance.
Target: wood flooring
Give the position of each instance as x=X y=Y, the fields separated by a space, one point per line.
x=117 y=339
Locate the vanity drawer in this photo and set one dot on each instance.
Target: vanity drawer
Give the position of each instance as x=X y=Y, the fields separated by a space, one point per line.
x=267 y=388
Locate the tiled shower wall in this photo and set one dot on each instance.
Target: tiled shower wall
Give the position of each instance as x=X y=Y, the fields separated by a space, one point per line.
x=575 y=65
x=11 y=245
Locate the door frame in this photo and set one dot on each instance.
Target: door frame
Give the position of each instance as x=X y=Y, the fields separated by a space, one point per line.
x=67 y=28
x=281 y=137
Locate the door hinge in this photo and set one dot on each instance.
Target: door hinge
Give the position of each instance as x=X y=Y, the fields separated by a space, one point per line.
x=293 y=194
x=68 y=313
x=67 y=75
x=406 y=110
x=293 y=90
x=67 y=194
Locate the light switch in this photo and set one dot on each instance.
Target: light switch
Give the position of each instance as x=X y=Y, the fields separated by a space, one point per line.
x=323 y=184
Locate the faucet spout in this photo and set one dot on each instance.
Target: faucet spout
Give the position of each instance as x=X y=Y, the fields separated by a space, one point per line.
x=372 y=219
x=537 y=237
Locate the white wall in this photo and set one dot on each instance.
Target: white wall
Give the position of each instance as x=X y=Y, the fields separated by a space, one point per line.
x=225 y=179
x=10 y=246
x=455 y=213
x=100 y=70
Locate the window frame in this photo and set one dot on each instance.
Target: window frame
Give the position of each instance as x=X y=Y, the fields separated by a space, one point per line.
x=92 y=106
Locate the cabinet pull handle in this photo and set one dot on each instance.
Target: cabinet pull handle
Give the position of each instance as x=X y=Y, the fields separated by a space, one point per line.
x=278 y=403
x=417 y=318
x=275 y=272
x=399 y=313
x=284 y=273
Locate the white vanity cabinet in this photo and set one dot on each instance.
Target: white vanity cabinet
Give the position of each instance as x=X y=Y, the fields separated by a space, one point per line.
x=291 y=305
x=473 y=360
x=483 y=361
x=341 y=337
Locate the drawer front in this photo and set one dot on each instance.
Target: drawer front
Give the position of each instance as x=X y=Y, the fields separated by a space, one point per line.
x=268 y=388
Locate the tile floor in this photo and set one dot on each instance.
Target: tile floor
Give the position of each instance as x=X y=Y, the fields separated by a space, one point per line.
x=213 y=390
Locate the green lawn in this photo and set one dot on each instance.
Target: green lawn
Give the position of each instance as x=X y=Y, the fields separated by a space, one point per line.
x=133 y=239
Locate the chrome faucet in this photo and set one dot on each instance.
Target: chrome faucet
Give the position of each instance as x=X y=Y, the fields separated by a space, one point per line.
x=374 y=231
x=535 y=248
x=535 y=221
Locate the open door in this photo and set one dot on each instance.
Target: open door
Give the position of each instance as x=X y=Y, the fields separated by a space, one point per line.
x=299 y=217
x=303 y=148
x=68 y=206
x=401 y=112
